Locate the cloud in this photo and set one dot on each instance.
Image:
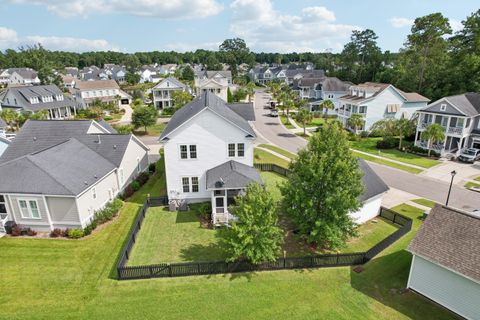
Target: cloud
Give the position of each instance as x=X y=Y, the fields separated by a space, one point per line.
x=456 y=25
x=8 y=37
x=401 y=22
x=165 y=9
x=72 y=44
x=266 y=29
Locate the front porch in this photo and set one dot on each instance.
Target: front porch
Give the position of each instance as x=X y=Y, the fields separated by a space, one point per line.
x=222 y=199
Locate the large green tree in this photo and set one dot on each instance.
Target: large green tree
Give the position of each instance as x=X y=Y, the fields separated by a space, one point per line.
x=304 y=116
x=181 y=98
x=235 y=52
x=144 y=116
x=256 y=236
x=323 y=188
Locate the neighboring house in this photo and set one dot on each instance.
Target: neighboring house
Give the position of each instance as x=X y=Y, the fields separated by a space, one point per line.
x=38 y=98
x=208 y=147
x=23 y=76
x=266 y=74
x=86 y=92
x=147 y=73
x=218 y=86
x=117 y=73
x=293 y=74
x=68 y=81
x=4 y=77
x=219 y=76
x=4 y=143
x=377 y=101
x=57 y=174
x=316 y=90
x=72 y=72
x=446 y=260
x=460 y=117
x=162 y=92
x=167 y=69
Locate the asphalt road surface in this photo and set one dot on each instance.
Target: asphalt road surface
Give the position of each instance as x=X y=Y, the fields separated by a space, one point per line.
x=270 y=130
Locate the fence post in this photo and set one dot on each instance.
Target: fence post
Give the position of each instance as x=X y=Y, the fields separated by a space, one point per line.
x=151 y=271
x=394 y=217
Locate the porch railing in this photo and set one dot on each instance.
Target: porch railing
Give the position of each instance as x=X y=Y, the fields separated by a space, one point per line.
x=455 y=130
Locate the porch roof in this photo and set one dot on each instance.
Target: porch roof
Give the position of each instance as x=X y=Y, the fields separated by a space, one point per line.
x=232 y=174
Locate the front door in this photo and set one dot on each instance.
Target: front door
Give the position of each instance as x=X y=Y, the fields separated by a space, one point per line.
x=220 y=204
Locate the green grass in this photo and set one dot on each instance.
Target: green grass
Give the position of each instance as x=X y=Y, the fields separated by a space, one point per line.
x=272 y=182
x=300 y=134
x=279 y=150
x=262 y=156
x=477 y=178
x=369 y=145
x=154 y=130
x=286 y=122
x=425 y=202
x=387 y=163
x=73 y=279
x=471 y=184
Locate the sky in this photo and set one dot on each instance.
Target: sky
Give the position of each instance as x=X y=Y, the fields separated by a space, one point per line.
x=186 y=25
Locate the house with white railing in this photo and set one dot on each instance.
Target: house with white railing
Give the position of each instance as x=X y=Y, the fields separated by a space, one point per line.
x=162 y=92
x=459 y=116
x=378 y=101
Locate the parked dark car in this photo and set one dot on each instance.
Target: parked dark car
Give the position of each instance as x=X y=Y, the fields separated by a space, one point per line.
x=469 y=155
x=274 y=113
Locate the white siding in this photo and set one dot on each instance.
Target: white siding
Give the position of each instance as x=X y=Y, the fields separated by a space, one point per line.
x=63 y=211
x=211 y=134
x=87 y=205
x=133 y=152
x=369 y=210
x=445 y=287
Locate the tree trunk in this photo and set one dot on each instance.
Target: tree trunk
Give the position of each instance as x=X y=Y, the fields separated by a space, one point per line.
x=146 y=130
x=429 y=147
x=304 y=130
x=400 y=144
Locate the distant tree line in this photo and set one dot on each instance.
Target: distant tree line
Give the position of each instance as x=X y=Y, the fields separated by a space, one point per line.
x=433 y=61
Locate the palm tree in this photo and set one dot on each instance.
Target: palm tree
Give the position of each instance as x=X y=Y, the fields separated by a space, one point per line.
x=355 y=121
x=250 y=89
x=403 y=128
x=326 y=105
x=303 y=117
x=11 y=117
x=433 y=133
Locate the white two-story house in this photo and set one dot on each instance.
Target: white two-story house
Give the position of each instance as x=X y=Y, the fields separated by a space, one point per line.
x=377 y=101
x=162 y=92
x=208 y=148
x=108 y=91
x=459 y=116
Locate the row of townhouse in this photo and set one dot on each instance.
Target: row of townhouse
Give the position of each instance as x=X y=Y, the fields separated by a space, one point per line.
x=284 y=73
x=155 y=72
x=93 y=73
x=57 y=174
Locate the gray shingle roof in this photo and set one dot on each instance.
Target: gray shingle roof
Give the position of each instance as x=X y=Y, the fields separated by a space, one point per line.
x=468 y=103
x=24 y=93
x=173 y=80
x=245 y=110
x=206 y=100
x=451 y=239
x=106 y=126
x=232 y=174
x=46 y=172
x=374 y=185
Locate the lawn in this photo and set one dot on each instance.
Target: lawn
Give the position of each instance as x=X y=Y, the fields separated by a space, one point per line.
x=286 y=122
x=425 y=202
x=279 y=150
x=74 y=279
x=471 y=184
x=369 y=145
x=387 y=163
x=262 y=156
x=154 y=130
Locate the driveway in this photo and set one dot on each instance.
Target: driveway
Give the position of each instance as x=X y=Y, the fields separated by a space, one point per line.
x=127 y=116
x=443 y=171
x=423 y=186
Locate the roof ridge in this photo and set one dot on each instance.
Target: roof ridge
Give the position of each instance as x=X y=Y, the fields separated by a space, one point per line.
x=465 y=213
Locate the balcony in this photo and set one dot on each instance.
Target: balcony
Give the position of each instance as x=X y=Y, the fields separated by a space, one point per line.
x=455 y=130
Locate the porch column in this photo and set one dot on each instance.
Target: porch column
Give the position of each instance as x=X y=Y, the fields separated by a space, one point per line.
x=446 y=132
x=213 y=206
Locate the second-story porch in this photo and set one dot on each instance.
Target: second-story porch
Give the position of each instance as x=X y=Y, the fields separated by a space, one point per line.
x=453 y=125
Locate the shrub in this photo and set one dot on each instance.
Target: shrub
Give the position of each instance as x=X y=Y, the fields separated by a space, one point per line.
x=364 y=134
x=169 y=111
x=55 y=233
x=106 y=214
x=31 y=232
x=128 y=192
x=88 y=229
x=387 y=143
x=135 y=186
x=203 y=209
x=108 y=118
x=16 y=231
x=75 y=233
x=142 y=178
x=152 y=167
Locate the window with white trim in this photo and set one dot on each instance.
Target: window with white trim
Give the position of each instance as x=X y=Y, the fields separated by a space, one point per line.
x=29 y=208
x=194 y=181
x=443 y=107
x=236 y=150
x=188 y=151
x=240 y=149
x=3 y=204
x=190 y=184
x=231 y=149
x=94 y=193
x=185 y=184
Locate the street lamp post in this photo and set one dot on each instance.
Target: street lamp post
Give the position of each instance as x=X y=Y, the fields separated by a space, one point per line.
x=453 y=173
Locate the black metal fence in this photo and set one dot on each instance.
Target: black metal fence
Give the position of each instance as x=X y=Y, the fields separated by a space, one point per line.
x=218 y=267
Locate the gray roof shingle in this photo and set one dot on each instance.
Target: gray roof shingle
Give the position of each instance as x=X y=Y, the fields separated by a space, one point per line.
x=232 y=174
x=2 y=123
x=451 y=239
x=46 y=172
x=374 y=185
x=24 y=93
x=245 y=110
x=468 y=103
x=206 y=100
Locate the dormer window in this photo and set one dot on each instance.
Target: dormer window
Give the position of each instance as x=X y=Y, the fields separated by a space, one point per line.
x=33 y=100
x=59 y=97
x=443 y=107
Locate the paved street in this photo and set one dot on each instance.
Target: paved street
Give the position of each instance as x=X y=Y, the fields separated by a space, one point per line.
x=271 y=130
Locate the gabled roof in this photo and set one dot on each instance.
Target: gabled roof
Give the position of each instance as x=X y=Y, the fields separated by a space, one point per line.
x=451 y=239
x=373 y=184
x=25 y=73
x=46 y=172
x=212 y=102
x=24 y=93
x=172 y=80
x=376 y=88
x=244 y=110
x=96 y=85
x=232 y=174
x=466 y=103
